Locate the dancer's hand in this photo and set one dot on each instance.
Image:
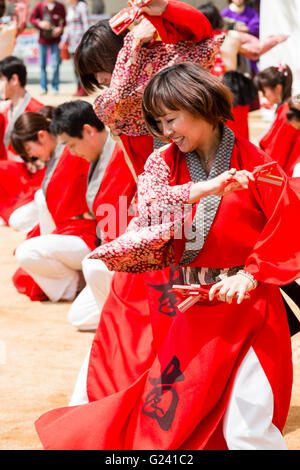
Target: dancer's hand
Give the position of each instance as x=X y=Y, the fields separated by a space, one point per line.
x=229 y=181
x=218 y=186
x=154 y=8
x=144 y=31
x=230 y=287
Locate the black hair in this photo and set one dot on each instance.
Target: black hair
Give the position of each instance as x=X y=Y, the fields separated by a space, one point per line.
x=212 y=14
x=272 y=76
x=27 y=127
x=189 y=87
x=72 y=116
x=13 y=65
x=97 y=52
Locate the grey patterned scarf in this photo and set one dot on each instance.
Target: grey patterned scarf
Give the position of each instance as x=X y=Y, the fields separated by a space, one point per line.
x=208 y=206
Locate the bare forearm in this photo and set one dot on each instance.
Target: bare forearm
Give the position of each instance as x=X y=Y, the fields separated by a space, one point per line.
x=197 y=191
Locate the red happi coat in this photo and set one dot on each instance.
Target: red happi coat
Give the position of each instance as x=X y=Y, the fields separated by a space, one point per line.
x=17 y=184
x=180 y=400
x=282 y=141
x=240 y=124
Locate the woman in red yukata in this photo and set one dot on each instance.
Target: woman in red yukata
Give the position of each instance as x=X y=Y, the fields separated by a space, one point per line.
x=222 y=374
x=282 y=140
x=279 y=142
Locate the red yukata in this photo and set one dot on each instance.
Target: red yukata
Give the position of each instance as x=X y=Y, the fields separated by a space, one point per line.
x=282 y=141
x=180 y=401
x=17 y=184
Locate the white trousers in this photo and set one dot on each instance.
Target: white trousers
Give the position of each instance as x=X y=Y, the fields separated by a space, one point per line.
x=54 y=262
x=79 y=396
x=247 y=423
x=25 y=217
x=85 y=311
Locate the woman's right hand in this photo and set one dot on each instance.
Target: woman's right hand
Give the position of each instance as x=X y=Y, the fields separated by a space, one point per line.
x=220 y=185
x=144 y=31
x=229 y=181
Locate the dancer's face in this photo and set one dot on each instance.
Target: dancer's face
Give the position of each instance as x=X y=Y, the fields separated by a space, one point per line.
x=273 y=95
x=41 y=148
x=89 y=146
x=188 y=131
x=103 y=78
x=6 y=87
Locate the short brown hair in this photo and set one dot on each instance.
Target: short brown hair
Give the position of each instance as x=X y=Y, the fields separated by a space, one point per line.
x=97 y=52
x=272 y=76
x=186 y=86
x=26 y=129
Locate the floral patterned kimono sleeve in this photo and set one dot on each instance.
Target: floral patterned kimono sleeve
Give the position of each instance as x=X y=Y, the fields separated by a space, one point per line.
x=181 y=22
x=122 y=97
x=155 y=195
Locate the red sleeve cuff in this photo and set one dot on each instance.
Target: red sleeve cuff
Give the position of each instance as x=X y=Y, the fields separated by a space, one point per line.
x=181 y=22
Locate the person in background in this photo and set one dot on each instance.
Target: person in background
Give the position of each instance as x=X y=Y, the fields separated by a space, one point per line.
x=241 y=17
x=14 y=24
x=276 y=83
x=281 y=142
x=77 y=24
x=18 y=179
x=49 y=17
x=237 y=44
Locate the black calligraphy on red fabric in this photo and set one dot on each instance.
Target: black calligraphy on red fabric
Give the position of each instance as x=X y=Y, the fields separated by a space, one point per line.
x=168 y=299
x=161 y=402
